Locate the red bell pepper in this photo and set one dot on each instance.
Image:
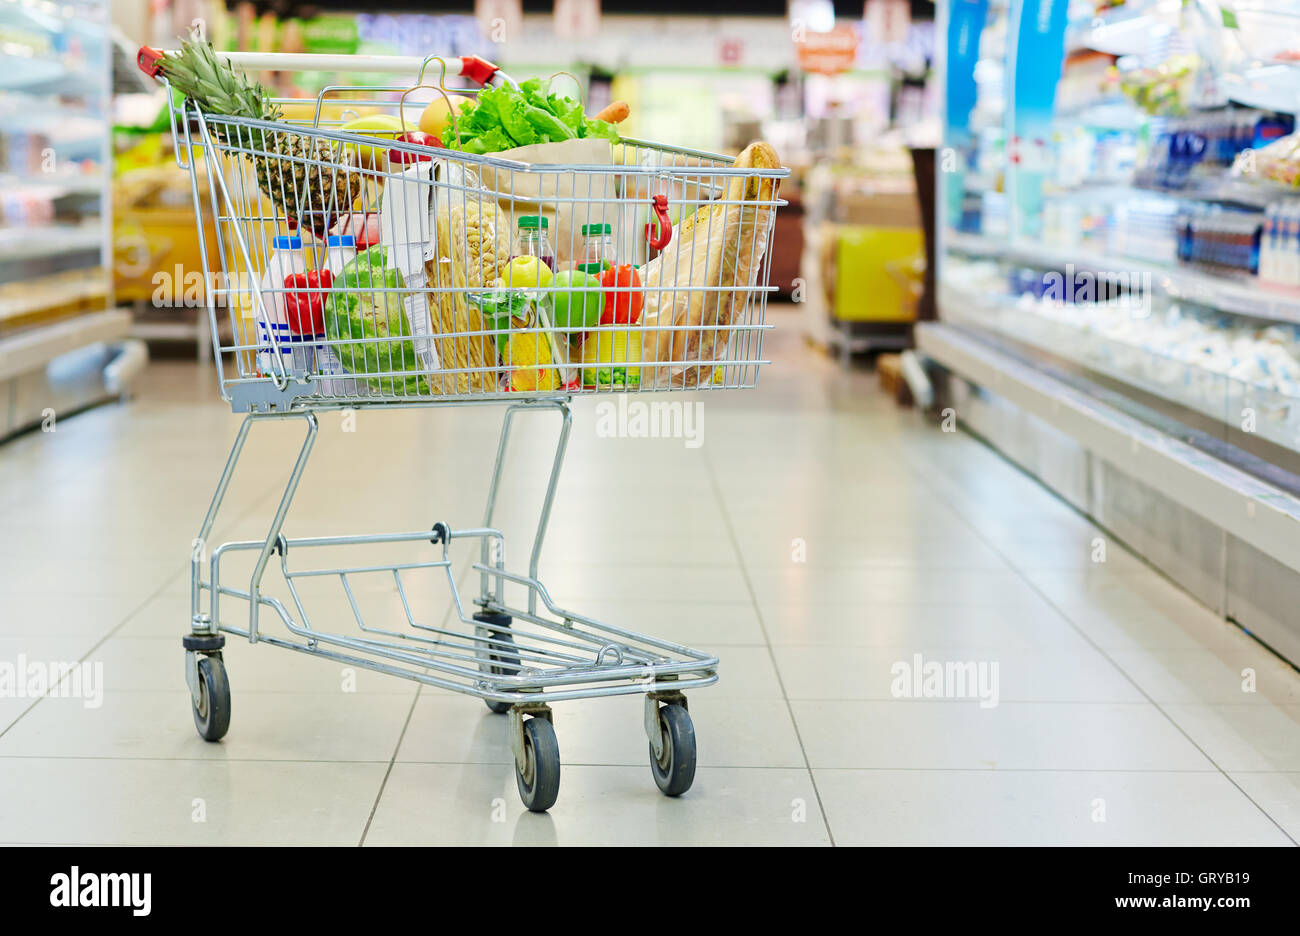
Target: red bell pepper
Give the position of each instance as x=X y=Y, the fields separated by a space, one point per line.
x=419 y=138
x=624 y=299
x=304 y=301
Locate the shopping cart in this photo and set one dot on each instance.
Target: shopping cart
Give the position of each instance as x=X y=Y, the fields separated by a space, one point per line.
x=427 y=334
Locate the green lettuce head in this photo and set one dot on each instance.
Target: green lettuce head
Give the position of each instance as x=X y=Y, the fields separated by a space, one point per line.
x=365 y=304
x=504 y=118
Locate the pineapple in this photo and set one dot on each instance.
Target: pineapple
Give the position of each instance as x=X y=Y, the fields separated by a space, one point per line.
x=305 y=176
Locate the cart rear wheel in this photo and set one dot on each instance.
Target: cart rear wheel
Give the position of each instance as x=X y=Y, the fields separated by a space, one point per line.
x=674 y=771
x=212 y=713
x=497 y=654
x=539 y=780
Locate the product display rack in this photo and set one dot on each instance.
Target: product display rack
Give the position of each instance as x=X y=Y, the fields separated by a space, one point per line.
x=1095 y=187
x=55 y=233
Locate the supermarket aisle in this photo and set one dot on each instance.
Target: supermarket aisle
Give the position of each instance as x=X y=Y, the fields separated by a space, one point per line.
x=819 y=539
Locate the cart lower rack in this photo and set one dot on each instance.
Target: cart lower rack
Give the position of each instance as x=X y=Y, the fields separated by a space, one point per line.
x=405 y=323
x=517 y=659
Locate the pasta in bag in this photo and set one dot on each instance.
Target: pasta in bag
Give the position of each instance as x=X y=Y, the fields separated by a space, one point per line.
x=471 y=241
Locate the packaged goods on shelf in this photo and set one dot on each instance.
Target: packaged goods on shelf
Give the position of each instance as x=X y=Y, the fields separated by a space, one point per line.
x=1164 y=90
x=1279 y=162
x=1200 y=358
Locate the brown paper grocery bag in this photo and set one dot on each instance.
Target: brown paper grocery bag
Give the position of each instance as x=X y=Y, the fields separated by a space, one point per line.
x=567 y=199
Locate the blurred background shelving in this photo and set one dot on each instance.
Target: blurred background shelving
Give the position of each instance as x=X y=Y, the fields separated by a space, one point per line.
x=60 y=335
x=1138 y=241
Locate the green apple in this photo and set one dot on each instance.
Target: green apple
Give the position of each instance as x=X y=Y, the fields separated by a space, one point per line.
x=574 y=308
x=527 y=273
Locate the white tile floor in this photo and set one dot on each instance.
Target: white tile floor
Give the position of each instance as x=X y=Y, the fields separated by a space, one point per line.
x=1120 y=719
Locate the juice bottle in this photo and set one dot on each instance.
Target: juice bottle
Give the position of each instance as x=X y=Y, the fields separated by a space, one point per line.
x=597 y=249
x=340 y=250
x=532 y=240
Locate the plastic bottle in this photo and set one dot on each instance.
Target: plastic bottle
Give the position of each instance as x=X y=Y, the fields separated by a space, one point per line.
x=340 y=249
x=1282 y=255
x=597 y=248
x=1292 y=248
x=1282 y=263
x=1268 y=244
x=339 y=252
x=532 y=241
x=286 y=260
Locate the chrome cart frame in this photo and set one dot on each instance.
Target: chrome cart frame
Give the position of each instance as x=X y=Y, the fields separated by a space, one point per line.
x=518 y=656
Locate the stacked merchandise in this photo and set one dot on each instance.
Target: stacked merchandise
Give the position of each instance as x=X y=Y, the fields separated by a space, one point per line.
x=1180 y=352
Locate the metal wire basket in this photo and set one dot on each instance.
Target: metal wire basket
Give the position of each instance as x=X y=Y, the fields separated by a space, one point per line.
x=321 y=321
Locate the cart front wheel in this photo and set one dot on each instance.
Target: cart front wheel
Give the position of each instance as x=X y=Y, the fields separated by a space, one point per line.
x=674 y=770
x=212 y=712
x=497 y=655
x=539 y=778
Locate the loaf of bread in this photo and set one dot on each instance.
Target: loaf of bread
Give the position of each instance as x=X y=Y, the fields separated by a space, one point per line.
x=701 y=284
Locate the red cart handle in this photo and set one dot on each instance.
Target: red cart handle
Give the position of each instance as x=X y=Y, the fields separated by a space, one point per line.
x=471 y=66
x=149 y=60
x=665 y=233
x=478 y=69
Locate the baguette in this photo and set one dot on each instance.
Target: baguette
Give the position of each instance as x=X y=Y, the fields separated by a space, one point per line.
x=721 y=245
x=757 y=155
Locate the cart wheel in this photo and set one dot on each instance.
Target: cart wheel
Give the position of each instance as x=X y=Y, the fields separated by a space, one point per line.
x=539 y=781
x=675 y=771
x=212 y=714
x=500 y=655
x=500 y=620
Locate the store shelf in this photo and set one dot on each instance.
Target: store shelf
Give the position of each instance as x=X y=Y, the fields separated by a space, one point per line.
x=1268 y=87
x=1226 y=190
x=1257 y=513
x=48 y=298
x=18 y=244
x=1237 y=295
x=1131 y=29
x=53 y=185
x=1138 y=365
x=49 y=74
x=31 y=350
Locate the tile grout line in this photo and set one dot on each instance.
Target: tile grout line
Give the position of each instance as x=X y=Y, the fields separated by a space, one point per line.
x=388 y=770
x=762 y=624
x=1020 y=573
x=155 y=594
x=410 y=713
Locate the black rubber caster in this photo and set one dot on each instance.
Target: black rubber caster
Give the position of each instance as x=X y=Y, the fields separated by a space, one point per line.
x=497 y=655
x=674 y=770
x=539 y=779
x=212 y=713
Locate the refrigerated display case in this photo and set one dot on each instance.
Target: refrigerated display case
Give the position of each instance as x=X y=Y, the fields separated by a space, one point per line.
x=1119 y=274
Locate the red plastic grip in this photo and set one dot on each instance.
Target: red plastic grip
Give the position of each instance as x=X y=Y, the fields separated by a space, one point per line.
x=477 y=69
x=148 y=58
x=660 y=239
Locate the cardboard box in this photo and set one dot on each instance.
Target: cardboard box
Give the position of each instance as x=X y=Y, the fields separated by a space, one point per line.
x=883 y=209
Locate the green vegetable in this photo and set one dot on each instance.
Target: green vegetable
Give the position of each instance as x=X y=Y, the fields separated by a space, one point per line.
x=503 y=118
x=356 y=311
x=498 y=306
